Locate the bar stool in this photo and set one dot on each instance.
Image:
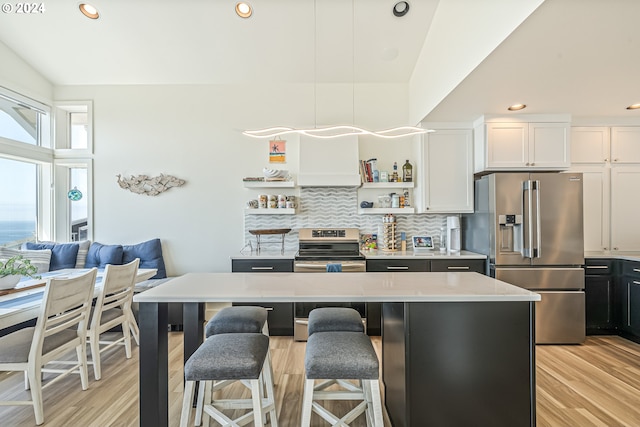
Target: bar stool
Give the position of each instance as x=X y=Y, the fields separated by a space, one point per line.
x=336 y=357
x=236 y=319
x=334 y=319
x=225 y=359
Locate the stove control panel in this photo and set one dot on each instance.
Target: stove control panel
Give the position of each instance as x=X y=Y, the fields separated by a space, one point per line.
x=341 y=234
x=329 y=233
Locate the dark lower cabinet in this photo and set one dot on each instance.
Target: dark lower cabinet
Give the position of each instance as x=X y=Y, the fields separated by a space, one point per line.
x=454 y=364
x=629 y=303
x=600 y=296
x=280 y=313
x=374 y=310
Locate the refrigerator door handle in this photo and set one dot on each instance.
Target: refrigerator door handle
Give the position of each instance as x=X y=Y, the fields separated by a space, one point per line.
x=528 y=241
x=537 y=250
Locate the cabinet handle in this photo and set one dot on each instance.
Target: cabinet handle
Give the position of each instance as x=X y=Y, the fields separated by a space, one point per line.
x=615 y=249
x=302 y=322
x=462 y=267
x=527 y=164
x=594 y=267
x=635 y=282
x=606 y=160
x=637 y=270
x=262 y=268
x=533 y=164
x=615 y=160
x=400 y=267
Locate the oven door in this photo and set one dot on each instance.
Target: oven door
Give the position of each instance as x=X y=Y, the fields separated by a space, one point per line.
x=321 y=266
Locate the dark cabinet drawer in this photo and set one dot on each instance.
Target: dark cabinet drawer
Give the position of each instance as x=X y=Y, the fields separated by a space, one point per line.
x=631 y=268
x=599 y=267
x=397 y=265
x=475 y=265
x=261 y=265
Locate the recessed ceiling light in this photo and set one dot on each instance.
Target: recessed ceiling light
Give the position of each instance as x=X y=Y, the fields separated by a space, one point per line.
x=401 y=8
x=633 y=107
x=89 y=11
x=516 y=107
x=243 y=10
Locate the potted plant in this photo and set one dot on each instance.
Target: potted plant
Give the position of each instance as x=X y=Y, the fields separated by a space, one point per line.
x=13 y=269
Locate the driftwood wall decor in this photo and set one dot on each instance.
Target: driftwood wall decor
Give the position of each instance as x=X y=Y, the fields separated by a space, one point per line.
x=150 y=186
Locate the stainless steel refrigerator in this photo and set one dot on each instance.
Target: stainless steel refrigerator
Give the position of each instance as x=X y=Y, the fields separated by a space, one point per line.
x=530 y=226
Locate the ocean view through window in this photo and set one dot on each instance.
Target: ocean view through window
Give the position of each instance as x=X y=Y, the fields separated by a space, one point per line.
x=18 y=202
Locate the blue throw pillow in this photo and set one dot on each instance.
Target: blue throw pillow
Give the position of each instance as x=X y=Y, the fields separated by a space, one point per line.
x=150 y=254
x=100 y=255
x=63 y=255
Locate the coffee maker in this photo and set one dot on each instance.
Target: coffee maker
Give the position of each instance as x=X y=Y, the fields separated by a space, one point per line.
x=453 y=234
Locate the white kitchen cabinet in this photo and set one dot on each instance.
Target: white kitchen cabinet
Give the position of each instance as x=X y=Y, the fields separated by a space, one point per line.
x=625 y=145
x=445 y=180
x=625 y=207
x=609 y=159
x=596 y=214
x=501 y=146
x=590 y=145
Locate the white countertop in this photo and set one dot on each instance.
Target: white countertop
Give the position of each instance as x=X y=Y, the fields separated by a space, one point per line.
x=353 y=287
x=434 y=254
x=429 y=254
x=628 y=256
x=265 y=254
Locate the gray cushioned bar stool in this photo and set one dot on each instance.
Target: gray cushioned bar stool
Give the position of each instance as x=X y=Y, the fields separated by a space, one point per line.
x=236 y=319
x=224 y=359
x=334 y=319
x=336 y=357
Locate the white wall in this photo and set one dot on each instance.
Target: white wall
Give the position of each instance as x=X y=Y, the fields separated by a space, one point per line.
x=193 y=133
x=17 y=75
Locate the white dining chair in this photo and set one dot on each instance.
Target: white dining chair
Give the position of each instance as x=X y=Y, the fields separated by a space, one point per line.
x=60 y=328
x=113 y=308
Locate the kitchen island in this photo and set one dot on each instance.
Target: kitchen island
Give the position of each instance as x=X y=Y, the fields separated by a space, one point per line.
x=458 y=348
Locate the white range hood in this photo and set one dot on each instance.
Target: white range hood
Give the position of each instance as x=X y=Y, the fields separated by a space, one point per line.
x=329 y=162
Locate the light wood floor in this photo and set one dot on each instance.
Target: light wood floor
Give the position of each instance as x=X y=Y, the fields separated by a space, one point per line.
x=595 y=384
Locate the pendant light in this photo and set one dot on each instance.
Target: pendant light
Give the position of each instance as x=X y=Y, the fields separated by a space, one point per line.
x=337 y=130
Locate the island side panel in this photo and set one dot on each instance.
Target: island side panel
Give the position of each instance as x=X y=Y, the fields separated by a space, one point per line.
x=394 y=370
x=468 y=363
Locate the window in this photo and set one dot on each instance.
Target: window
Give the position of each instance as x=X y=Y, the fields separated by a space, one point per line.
x=23 y=119
x=18 y=202
x=25 y=169
x=73 y=167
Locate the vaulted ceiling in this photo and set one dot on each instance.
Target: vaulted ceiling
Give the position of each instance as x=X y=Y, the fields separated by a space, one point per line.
x=569 y=56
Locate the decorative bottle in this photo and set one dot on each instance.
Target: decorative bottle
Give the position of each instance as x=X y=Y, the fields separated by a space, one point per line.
x=407 y=172
x=395 y=177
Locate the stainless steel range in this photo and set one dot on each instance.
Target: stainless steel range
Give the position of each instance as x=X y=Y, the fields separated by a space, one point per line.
x=323 y=250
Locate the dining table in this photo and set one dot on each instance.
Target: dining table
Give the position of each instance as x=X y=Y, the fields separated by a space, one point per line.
x=468 y=337
x=23 y=303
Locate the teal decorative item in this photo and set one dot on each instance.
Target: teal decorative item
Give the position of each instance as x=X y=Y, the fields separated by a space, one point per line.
x=75 y=194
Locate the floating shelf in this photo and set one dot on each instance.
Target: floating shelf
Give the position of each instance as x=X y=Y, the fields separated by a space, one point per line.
x=388 y=185
x=267 y=211
x=269 y=184
x=382 y=211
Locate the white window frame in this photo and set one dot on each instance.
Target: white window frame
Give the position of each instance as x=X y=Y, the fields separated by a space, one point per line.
x=67 y=158
x=40 y=155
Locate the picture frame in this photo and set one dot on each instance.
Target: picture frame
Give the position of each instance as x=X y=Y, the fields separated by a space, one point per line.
x=422 y=243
